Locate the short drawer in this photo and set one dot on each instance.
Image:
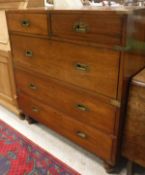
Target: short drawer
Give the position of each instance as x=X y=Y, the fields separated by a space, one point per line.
x=97 y=27
x=91 y=139
x=74 y=102
x=28 y=23
x=87 y=67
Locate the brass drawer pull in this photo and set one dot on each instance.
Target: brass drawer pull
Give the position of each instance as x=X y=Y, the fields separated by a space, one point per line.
x=29 y=53
x=34 y=109
x=82 y=107
x=80 y=27
x=32 y=86
x=81 y=67
x=25 y=23
x=81 y=134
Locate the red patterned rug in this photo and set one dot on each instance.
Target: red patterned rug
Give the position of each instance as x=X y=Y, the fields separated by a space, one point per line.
x=20 y=156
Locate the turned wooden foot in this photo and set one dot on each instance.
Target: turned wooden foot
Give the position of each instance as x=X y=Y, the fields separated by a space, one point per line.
x=22 y=116
x=109 y=168
x=30 y=120
x=130 y=168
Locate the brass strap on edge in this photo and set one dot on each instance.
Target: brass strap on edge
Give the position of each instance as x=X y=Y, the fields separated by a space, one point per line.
x=115 y=103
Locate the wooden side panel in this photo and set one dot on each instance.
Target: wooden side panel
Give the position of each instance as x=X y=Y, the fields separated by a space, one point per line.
x=135 y=58
x=7 y=87
x=134 y=132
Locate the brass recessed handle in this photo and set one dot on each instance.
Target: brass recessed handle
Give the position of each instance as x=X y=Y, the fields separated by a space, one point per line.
x=32 y=86
x=80 y=27
x=81 y=134
x=82 y=107
x=81 y=67
x=28 y=53
x=34 y=109
x=25 y=23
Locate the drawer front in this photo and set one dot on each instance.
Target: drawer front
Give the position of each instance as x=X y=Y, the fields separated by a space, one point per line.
x=74 y=102
x=100 y=28
x=87 y=67
x=83 y=135
x=28 y=23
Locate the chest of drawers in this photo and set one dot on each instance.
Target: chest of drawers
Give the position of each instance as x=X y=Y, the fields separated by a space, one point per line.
x=134 y=132
x=69 y=75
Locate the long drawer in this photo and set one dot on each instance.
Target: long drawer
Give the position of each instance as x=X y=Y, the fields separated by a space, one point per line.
x=74 y=102
x=87 y=67
x=89 y=138
x=98 y=27
x=30 y=23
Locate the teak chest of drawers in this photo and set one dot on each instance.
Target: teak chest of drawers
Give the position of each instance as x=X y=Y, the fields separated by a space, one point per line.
x=71 y=73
